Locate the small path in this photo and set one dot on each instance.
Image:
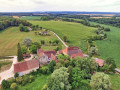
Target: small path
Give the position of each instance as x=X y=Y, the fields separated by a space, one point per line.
x=60 y=39
x=9 y=73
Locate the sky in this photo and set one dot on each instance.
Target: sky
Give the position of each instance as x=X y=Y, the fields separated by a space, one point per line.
x=59 y=5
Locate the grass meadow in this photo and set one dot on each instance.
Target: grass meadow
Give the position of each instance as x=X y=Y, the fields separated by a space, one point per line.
x=111 y=46
x=31 y=18
x=37 y=84
x=10 y=37
x=76 y=33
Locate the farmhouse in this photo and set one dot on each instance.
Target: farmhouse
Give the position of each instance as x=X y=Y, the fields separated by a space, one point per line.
x=46 y=56
x=26 y=67
x=72 y=52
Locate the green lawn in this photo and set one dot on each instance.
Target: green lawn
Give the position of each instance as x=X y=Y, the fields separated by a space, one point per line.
x=37 y=84
x=111 y=46
x=10 y=37
x=31 y=17
x=75 y=32
x=115 y=81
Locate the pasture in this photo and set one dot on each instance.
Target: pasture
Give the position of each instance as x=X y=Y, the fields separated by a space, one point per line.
x=31 y=17
x=10 y=37
x=76 y=33
x=111 y=46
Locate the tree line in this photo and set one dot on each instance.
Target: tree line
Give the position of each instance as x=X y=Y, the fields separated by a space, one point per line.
x=6 y=22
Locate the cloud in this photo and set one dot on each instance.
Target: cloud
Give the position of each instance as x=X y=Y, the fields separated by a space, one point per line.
x=59 y=5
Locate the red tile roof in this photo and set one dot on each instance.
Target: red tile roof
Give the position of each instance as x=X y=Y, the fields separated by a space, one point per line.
x=100 y=62
x=24 y=66
x=77 y=55
x=47 y=53
x=73 y=52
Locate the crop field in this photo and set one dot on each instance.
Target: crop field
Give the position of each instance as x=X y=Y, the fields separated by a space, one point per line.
x=111 y=46
x=10 y=37
x=31 y=18
x=76 y=33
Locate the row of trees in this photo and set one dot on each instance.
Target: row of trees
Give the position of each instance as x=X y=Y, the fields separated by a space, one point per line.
x=109 y=21
x=9 y=21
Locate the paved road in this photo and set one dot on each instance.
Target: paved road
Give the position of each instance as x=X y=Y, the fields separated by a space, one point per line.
x=8 y=73
x=59 y=39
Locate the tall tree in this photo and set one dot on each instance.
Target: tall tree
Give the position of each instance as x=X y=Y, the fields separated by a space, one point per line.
x=19 y=53
x=100 y=81
x=27 y=41
x=59 y=80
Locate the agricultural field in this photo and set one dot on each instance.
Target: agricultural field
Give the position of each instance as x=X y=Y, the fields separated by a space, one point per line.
x=10 y=37
x=37 y=84
x=76 y=33
x=4 y=65
x=31 y=17
x=111 y=46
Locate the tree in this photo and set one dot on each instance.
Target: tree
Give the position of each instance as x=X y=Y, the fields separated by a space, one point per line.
x=5 y=84
x=111 y=64
x=100 y=81
x=27 y=41
x=33 y=49
x=42 y=42
x=93 y=51
x=59 y=80
x=21 y=27
x=19 y=53
x=65 y=38
x=51 y=66
x=14 y=86
x=77 y=77
x=23 y=50
x=16 y=75
x=19 y=79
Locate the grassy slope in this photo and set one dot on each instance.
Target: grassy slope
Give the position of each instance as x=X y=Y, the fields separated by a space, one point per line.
x=111 y=46
x=31 y=18
x=10 y=37
x=37 y=84
x=76 y=33
x=115 y=81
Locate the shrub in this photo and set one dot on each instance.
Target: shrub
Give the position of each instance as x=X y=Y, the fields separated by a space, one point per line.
x=11 y=80
x=19 y=79
x=5 y=84
x=44 y=70
x=31 y=78
x=14 y=86
x=44 y=87
x=16 y=75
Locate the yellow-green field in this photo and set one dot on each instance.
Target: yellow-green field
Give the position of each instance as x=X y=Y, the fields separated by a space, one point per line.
x=10 y=37
x=76 y=33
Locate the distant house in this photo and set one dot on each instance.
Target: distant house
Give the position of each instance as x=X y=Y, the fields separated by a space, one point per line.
x=26 y=56
x=26 y=67
x=45 y=33
x=100 y=62
x=72 y=52
x=46 y=56
x=30 y=29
